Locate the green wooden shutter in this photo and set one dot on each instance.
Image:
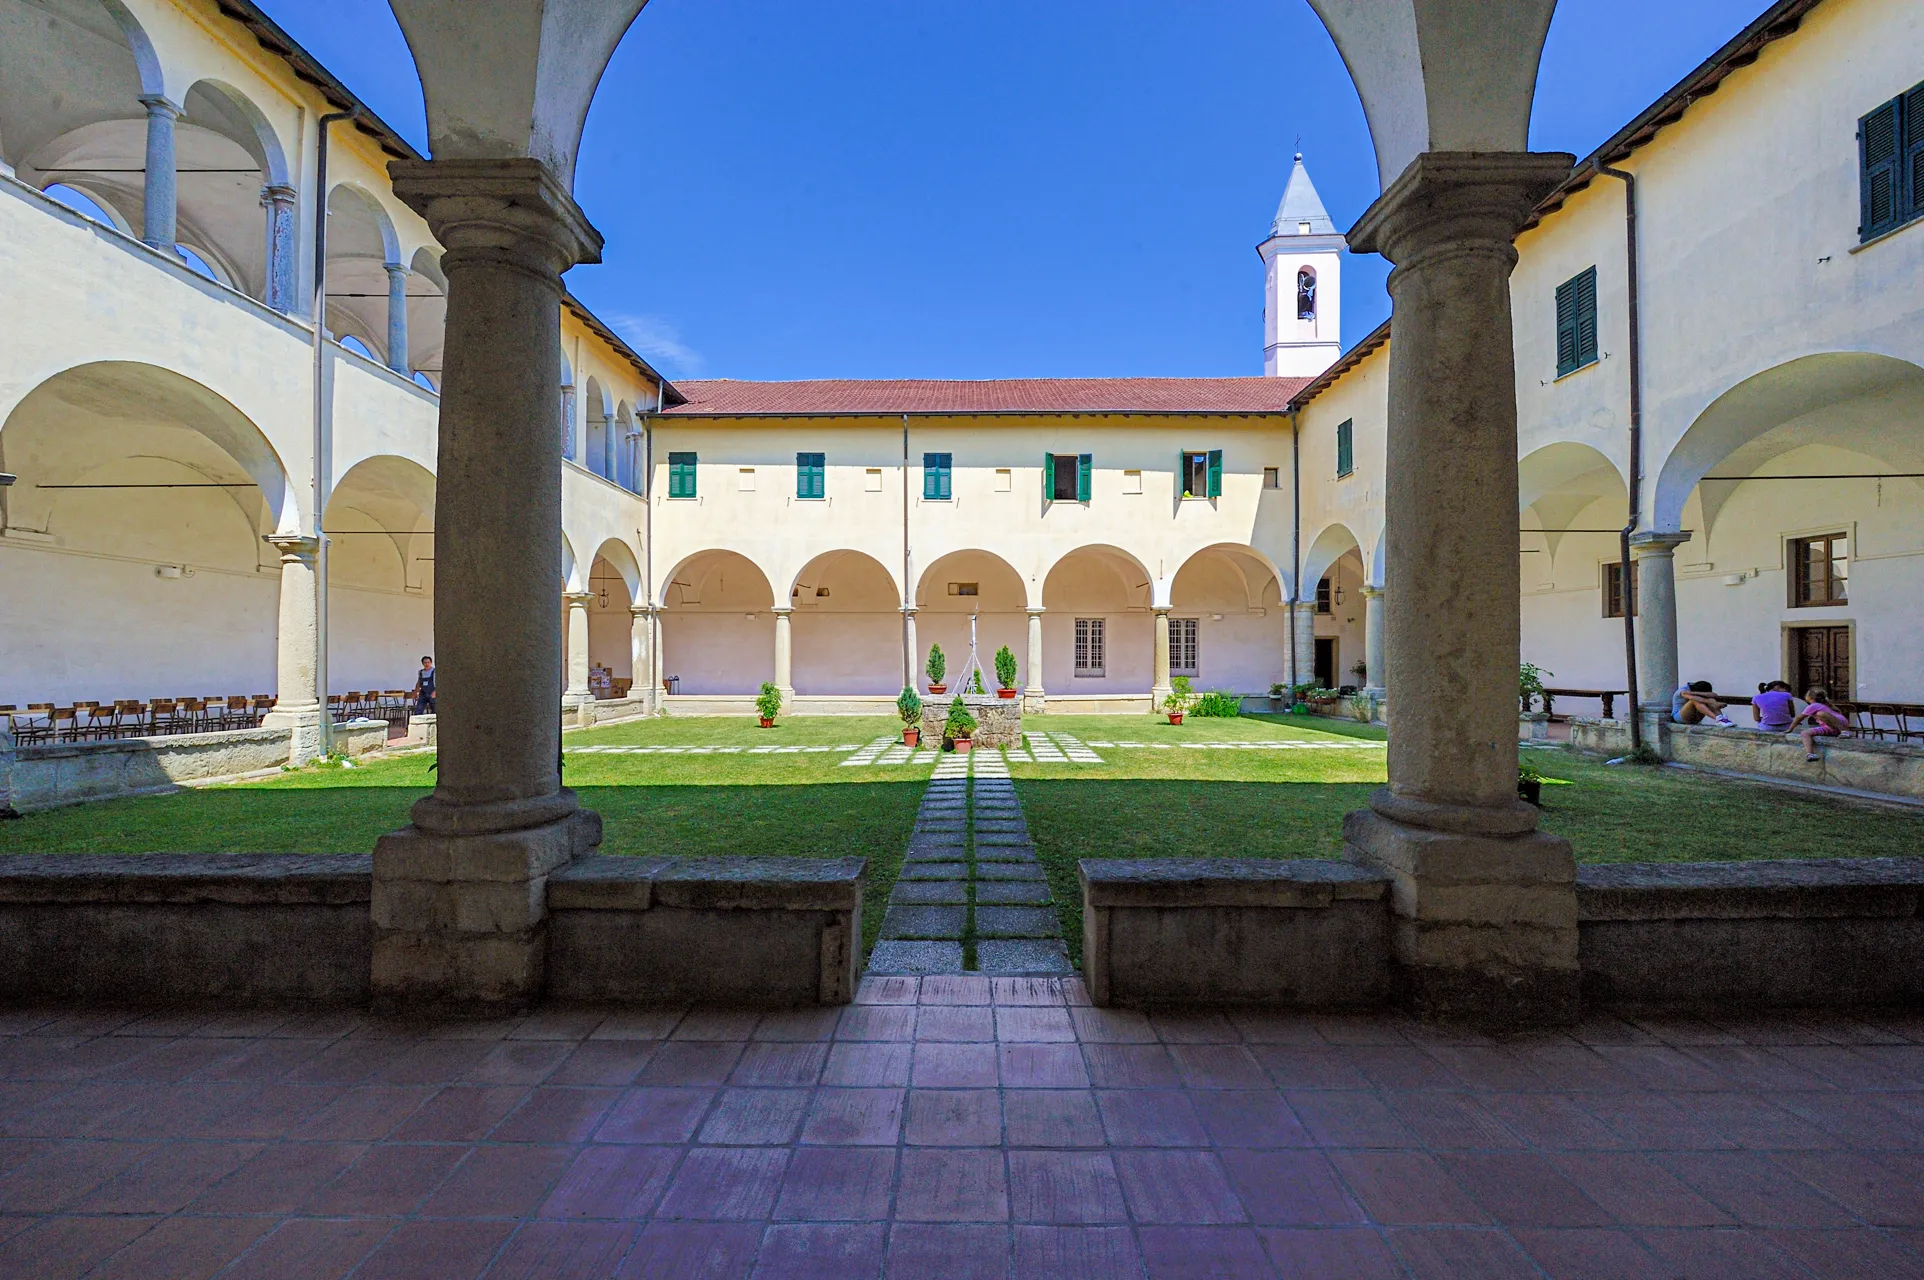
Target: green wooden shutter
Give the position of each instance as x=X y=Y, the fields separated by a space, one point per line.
x=1881 y=194
x=1048 y=478
x=1085 y=472
x=1586 y=317
x=1215 y=473
x=810 y=481
x=1345 y=447
x=935 y=476
x=1182 y=474
x=944 y=473
x=1566 y=327
x=681 y=475
x=1913 y=167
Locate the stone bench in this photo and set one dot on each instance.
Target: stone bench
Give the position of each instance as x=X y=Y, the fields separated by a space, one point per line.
x=1303 y=933
x=1733 y=936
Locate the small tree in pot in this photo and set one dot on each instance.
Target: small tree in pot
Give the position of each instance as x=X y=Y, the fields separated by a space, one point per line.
x=1005 y=672
x=909 y=707
x=959 y=730
x=768 y=704
x=938 y=666
x=1180 y=696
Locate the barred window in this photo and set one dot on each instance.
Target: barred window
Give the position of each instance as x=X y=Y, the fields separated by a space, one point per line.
x=1182 y=646
x=1089 y=646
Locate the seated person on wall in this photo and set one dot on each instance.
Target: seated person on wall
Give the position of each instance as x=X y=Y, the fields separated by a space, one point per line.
x=1692 y=704
x=1826 y=721
x=1774 y=709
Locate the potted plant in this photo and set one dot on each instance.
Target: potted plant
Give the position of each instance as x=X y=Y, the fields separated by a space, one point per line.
x=1280 y=695
x=1005 y=672
x=1180 y=696
x=938 y=666
x=909 y=707
x=1530 y=685
x=1299 y=697
x=959 y=729
x=1362 y=672
x=1529 y=784
x=768 y=704
x=975 y=683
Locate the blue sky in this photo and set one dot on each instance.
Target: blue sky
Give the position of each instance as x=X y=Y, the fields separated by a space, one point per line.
x=985 y=188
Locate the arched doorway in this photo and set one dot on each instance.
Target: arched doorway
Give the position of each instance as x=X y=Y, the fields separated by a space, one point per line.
x=971 y=584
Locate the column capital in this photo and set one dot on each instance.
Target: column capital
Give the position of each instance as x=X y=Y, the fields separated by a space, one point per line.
x=158 y=104
x=911 y=609
x=278 y=194
x=580 y=599
x=1035 y=610
x=782 y=610
x=1454 y=202
x=294 y=547
x=643 y=610
x=1654 y=543
x=394 y=269
x=1161 y=610
x=515 y=209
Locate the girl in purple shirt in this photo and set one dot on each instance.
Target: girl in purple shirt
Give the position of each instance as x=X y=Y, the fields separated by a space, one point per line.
x=1825 y=721
x=1773 y=708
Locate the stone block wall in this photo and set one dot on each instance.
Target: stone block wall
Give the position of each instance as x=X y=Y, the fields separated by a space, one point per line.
x=1862 y=764
x=998 y=721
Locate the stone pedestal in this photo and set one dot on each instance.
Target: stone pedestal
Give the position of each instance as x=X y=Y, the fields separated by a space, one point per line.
x=998 y=721
x=297 y=706
x=1484 y=905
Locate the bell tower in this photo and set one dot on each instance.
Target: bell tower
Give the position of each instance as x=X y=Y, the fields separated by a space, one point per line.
x=1303 y=284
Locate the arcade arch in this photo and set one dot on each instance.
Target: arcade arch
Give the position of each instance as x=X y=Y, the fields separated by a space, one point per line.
x=717 y=628
x=943 y=609
x=846 y=626
x=380 y=529
x=1232 y=598
x=1096 y=591
x=614 y=582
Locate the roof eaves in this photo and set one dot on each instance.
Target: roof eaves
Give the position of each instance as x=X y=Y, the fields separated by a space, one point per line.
x=268 y=34
x=1350 y=359
x=669 y=394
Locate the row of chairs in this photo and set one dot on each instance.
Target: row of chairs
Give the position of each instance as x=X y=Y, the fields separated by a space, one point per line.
x=1900 y=721
x=44 y=722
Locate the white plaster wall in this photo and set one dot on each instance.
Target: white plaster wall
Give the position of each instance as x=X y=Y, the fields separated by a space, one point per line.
x=1355 y=501
x=375 y=639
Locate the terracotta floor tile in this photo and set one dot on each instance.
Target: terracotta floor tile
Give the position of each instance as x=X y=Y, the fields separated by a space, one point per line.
x=64 y=1172
x=1051 y=1118
x=519 y=1062
x=941 y=1184
x=932 y=1251
x=1111 y=1026
x=1856 y=1253
x=639 y=1024
x=1552 y=1121
x=1249 y=1118
x=563 y=1251
x=1217 y=1066
x=1357 y=1254
x=1029 y=991
x=1307 y=1067
x=1590 y=1253
x=269 y=1059
x=716 y=1024
x=1522 y=1189
x=365 y=1113
x=1033 y=1024
x=955 y=989
x=433 y=1062
x=1885 y=1189
x=1444 y=1121
x=1064 y=1187
x=499 y=1182
x=954 y=1066
x=692 y=1251
x=869 y=1065
x=1075 y=1253
x=1205 y=1027
x=390 y=1179
x=563 y=1113
x=558 y=1024
x=1663 y=1067
x=1655 y=1120
x=886 y=990
x=1181 y=1187
x=1349 y=1118
x=621 y=1182
x=1636 y=1191
x=1150 y=1118
x=280 y=1179
x=65 y=1247
x=311 y=1249
x=1406 y=1188
x=1742 y=1255
x=1754 y=1189
x=1399 y=1066
x=605 y=1062
x=689 y=1063
x=1130 y=1066
x=837 y=1184
x=1041 y=1066
x=726 y=1183
x=184 y=1249
x=1860 y=1121
x=1754 y=1123
x=786 y=1063
x=1570 y=1066
x=650 y=1114
x=756 y=1117
x=822 y=1251
x=1753 y=1069
x=854 y=1117
x=877 y=1022
x=1203 y=1253
x=1366 y=1028
x=460 y=1113
x=435 y=1251
x=1264 y=1027
x=958 y=1023
x=1290 y=1188
x=1458 y=1252
x=954 y=1118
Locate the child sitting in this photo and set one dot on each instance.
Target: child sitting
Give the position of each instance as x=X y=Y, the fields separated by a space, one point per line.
x=1825 y=721
x=1773 y=708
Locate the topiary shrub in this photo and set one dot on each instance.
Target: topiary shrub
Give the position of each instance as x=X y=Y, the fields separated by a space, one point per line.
x=1005 y=667
x=1217 y=703
x=768 y=703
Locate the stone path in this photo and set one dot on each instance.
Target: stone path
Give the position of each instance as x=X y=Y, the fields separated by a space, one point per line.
x=1353 y=744
x=706 y=751
x=971 y=896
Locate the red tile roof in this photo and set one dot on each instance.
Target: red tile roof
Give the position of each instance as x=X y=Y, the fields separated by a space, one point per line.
x=839 y=397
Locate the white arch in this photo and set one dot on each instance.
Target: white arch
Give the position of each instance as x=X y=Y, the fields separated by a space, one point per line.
x=1326 y=549
x=153 y=81
x=371 y=204
x=673 y=577
x=1158 y=591
x=621 y=558
x=928 y=575
x=266 y=146
x=819 y=564
x=1242 y=558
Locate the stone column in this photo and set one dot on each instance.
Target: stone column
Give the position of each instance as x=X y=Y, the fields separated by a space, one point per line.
x=158 y=203
x=1654 y=557
x=1159 y=687
x=641 y=656
x=297 y=705
x=460 y=897
x=784 y=654
x=577 y=692
x=1485 y=905
x=282 y=258
x=1302 y=621
x=911 y=668
x=1035 y=698
x=397 y=318
x=1373 y=657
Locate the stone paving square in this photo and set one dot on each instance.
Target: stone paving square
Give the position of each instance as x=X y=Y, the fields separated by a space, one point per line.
x=915 y=869
x=930 y=892
x=1026 y=870
x=1016 y=922
x=1013 y=892
x=924 y=922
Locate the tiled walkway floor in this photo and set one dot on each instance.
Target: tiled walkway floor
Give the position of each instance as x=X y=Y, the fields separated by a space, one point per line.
x=954 y=1127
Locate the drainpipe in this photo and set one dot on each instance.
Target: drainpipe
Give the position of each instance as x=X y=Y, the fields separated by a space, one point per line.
x=648 y=545
x=322 y=443
x=1295 y=541
x=908 y=583
x=1629 y=181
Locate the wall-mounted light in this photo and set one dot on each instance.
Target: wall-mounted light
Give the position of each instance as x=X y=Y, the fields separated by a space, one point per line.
x=1335 y=594
x=7 y=478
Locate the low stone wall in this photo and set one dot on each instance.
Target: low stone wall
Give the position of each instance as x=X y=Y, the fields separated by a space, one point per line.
x=998 y=721
x=253 y=929
x=44 y=777
x=1738 y=936
x=766 y=931
x=587 y=715
x=1305 y=934
x=1099 y=704
x=1861 y=764
x=805 y=704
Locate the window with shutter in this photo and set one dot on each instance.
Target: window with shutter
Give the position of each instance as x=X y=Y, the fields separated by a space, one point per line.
x=681 y=475
x=1048 y=477
x=811 y=475
x=1882 y=181
x=1577 y=322
x=1215 y=473
x=1192 y=472
x=1913 y=167
x=1062 y=478
x=936 y=486
x=1085 y=475
x=1345 y=447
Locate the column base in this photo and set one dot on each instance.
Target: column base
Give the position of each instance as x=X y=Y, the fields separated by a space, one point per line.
x=305 y=745
x=460 y=922
x=1654 y=719
x=1035 y=701
x=1156 y=695
x=1484 y=928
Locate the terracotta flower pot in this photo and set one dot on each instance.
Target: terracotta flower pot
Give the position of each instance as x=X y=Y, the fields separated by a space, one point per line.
x=965 y=745
x=911 y=737
x=938 y=688
x=767 y=723
x=1175 y=717
x=1005 y=694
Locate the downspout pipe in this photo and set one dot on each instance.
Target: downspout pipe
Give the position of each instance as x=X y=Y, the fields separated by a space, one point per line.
x=1629 y=181
x=1295 y=543
x=322 y=444
x=908 y=581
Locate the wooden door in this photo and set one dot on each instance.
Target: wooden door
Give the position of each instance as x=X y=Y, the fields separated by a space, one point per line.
x=1821 y=657
x=1326 y=662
